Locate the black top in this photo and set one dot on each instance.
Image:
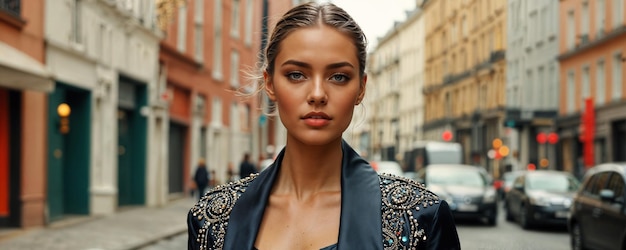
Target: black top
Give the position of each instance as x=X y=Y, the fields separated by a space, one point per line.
x=377 y=211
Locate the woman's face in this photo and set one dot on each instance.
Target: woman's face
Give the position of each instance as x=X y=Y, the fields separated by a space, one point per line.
x=316 y=84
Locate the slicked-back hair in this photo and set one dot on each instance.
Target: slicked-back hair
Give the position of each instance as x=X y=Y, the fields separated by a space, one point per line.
x=310 y=15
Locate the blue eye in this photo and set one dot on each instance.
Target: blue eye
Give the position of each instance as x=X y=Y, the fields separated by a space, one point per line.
x=295 y=76
x=339 y=78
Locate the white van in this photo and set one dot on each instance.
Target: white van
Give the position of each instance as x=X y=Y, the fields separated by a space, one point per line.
x=425 y=153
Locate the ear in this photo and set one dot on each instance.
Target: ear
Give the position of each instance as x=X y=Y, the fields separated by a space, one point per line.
x=269 y=86
x=361 y=95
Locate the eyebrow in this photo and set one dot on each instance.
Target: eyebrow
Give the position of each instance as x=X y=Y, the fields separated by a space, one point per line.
x=306 y=65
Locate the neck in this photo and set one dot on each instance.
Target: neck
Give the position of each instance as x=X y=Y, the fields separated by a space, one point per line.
x=309 y=170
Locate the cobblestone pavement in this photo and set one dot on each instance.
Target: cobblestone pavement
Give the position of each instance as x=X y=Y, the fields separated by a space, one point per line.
x=130 y=229
x=175 y=242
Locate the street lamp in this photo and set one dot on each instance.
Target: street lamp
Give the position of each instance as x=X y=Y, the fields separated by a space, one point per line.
x=64 y=111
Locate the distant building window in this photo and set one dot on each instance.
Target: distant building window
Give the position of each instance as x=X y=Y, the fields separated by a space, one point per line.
x=571 y=87
x=617 y=76
x=76 y=22
x=216 y=111
x=182 y=28
x=571 y=32
x=13 y=7
x=600 y=13
x=234 y=22
x=198 y=31
x=249 y=16
x=217 y=42
x=234 y=69
x=600 y=83
x=618 y=13
x=586 y=89
x=585 y=19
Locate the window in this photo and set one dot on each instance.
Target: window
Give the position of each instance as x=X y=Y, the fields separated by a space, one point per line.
x=585 y=19
x=249 y=8
x=530 y=90
x=198 y=33
x=76 y=22
x=571 y=85
x=553 y=95
x=182 y=28
x=541 y=89
x=234 y=69
x=600 y=83
x=235 y=124
x=600 y=12
x=571 y=35
x=598 y=183
x=617 y=76
x=217 y=43
x=234 y=22
x=216 y=111
x=586 y=89
x=616 y=184
x=618 y=13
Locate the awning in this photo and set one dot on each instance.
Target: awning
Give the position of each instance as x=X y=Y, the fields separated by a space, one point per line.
x=22 y=72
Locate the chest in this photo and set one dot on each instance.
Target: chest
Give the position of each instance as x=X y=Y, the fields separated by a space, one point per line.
x=288 y=224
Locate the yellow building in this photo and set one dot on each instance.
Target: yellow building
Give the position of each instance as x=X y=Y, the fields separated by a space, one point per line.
x=465 y=66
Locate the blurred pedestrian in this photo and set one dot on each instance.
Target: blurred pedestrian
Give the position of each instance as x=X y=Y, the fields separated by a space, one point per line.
x=320 y=193
x=201 y=178
x=246 y=168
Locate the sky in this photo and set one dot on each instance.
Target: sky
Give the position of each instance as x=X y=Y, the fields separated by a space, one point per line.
x=375 y=17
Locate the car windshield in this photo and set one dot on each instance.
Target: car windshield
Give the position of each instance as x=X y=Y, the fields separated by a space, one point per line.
x=554 y=183
x=455 y=177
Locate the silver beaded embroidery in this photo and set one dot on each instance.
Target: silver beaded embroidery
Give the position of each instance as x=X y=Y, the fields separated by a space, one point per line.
x=400 y=197
x=213 y=210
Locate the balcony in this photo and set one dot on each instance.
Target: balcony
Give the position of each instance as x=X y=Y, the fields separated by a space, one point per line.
x=11 y=7
x=496 y=56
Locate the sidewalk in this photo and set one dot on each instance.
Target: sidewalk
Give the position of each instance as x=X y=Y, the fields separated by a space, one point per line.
x=124 y=230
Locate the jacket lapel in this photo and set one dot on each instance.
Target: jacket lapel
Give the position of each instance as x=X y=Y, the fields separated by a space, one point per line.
x=361 y=217
x=246 y=216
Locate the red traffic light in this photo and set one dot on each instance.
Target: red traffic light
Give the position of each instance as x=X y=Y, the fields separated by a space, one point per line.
x=447 y=135
x=542 y=138
x=553 y=138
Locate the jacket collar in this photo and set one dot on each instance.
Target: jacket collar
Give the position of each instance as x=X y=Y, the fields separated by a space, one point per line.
x=361 y=219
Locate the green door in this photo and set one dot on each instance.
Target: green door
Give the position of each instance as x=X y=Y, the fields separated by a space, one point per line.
x=124 y=160
x=68 y=153
x=132 y=137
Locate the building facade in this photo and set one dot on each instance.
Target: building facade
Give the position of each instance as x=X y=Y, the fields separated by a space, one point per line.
x=389 y=120
x=465 y=73
x=103 y=55
x=24 y=85
x=532 y=81
x=383 y=95
x=592 y=48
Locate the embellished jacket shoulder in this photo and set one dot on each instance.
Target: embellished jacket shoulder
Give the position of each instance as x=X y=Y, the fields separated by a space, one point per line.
x=411 y=217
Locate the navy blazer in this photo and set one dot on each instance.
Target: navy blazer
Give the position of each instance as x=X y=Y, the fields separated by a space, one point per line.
x=377 y=211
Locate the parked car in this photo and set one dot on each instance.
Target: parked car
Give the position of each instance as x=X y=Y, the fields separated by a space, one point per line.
x=541 y=198
x=389 y=167
x=507 y=182
x=598 y=213
x=467 y=189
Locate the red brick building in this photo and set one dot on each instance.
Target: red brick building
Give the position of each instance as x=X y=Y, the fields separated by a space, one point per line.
x=24 y=82
x=592 y=65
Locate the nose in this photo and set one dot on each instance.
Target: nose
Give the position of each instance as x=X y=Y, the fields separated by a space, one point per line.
x=317 y=94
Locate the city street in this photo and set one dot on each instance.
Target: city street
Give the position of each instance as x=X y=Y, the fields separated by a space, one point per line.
x=473 y=235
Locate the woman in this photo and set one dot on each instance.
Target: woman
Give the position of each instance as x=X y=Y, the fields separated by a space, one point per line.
x=319 y=193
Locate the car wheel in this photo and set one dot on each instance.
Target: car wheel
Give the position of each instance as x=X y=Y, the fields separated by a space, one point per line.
x=577 y=237
x=524 y=218
x=509 y=215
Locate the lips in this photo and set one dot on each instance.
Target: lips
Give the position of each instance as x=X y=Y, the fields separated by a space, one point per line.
x=316 y=119
x=316 y=115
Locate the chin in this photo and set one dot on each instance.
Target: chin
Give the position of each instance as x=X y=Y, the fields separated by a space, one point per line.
x=317 y=139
